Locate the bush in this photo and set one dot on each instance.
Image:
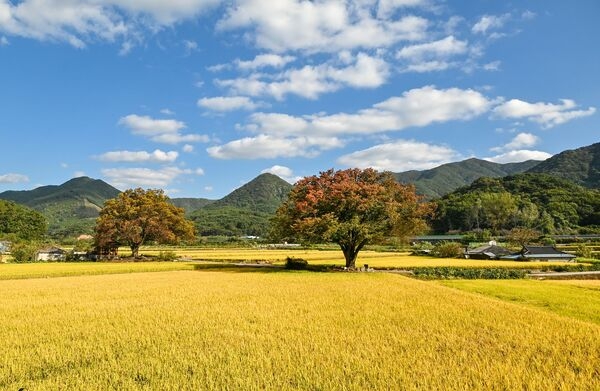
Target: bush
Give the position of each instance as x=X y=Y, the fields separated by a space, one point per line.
x=296 y=263
x=23 y=252
x=547 y=241
x=468 y=273
x=167 y=256
x=447 y=250
x=583 y=251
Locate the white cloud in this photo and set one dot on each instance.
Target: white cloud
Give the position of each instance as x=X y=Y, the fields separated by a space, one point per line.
x=157 y=156
x=492 y=66
x=227 y=103
x=124 y=178
x=519 y=156
x=285 y=173
x=78 y=174
x=160 y=130
x=13 y=178
x=311 y=81
x=325 y=26
x=521 y=140
x=4 y=41
x=283 y=135
x=489 y=22
x=266 y=146
x=190 y=46
x=147 y=126
x=263 y=61
x=546 y=114
x=401 y=155
x=188 y=148
x=442 y=48
x=208 y=188
x=82 y=21
x=386 y=8
x=167 y=112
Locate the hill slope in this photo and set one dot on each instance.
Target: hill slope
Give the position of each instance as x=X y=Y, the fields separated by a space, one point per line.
x=71 y=208
x=446 y=178
x=245 y=211
x=581 y=165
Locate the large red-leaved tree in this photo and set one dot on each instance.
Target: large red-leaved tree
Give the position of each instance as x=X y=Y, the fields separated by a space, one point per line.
x=139 y=216
x=352 y=208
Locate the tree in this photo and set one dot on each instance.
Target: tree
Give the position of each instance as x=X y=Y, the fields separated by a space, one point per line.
x=522 y=236
x=21 y=222
x=138 y=216
x=350 y=208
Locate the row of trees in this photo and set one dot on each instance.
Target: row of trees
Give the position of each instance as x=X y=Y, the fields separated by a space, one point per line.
x=353 y=208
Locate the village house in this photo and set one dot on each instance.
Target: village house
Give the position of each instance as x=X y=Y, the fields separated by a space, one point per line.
x=544 y=253
x=51 y=254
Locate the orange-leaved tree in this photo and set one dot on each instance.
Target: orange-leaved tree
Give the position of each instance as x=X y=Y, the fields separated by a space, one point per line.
x=352 y=208
x=138 y=216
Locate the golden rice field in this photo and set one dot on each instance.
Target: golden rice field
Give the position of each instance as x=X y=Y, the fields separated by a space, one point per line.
x=374 y=259
x=578 y=299
x=283 y=330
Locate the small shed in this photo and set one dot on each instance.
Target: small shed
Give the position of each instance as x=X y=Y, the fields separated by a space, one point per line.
x=545 y=253
x=51 y=254
x=489 y=251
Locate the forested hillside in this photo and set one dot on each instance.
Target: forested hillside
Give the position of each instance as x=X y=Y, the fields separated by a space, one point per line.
x=539 y=201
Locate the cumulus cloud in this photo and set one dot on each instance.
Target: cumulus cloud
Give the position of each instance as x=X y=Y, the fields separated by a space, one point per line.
x=227 y=103
x=188 y=148
x=160 y=130
x=157 y=156
x=401 y=155
x=521 y=140
x=266 y=146
x=327 y=26
x=518 y=156
x=431 y=56
x=547 y=115
x=283 y=135
x=264 y=61
x=311 y=81
x=13 y=178
x=124 y=178
x=285 y=173
x=81 y=21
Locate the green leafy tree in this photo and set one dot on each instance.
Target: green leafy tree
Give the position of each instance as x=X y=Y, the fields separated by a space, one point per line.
x=351 y=208
x=20 y=222
x=139 y=216
x=522 y=236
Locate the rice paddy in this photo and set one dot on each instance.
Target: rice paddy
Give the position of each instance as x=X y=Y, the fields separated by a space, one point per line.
x=283 y=330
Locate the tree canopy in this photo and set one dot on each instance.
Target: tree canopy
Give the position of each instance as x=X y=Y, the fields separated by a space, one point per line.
x=139 y=216
x=21 y=222
x=536 y=201
x=352 y=208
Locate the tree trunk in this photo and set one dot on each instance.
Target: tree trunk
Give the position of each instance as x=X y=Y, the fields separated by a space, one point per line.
x=135 y=248
x=350 y=254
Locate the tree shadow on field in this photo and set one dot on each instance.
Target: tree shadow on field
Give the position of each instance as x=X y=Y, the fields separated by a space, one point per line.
x=261 y=268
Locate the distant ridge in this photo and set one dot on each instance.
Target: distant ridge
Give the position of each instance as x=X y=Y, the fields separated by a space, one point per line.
x=71 y=208
x=439 y=181
x=581 y=165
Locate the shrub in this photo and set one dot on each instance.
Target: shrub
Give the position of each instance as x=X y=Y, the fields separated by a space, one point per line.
x=23 y=252
x=167 y=256
x=468 y=273
x=447 y=250
x=547 y=241
x=292 y=263
x=583 y=251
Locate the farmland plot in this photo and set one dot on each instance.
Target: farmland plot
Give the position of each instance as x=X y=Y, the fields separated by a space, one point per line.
x=282 y=330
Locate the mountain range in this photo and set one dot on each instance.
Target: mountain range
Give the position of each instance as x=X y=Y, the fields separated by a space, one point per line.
x=71 y=208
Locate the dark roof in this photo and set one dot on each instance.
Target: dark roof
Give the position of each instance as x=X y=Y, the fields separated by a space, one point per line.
x=51 y=250
x=544 y=252
x=489 y=249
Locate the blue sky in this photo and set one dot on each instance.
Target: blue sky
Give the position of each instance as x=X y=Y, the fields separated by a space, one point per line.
x=200 y=96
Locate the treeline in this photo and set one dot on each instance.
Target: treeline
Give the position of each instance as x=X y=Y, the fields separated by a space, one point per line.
x=538 y=201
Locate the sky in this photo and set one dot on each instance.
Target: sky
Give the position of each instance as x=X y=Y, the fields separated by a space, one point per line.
x=198 y=97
